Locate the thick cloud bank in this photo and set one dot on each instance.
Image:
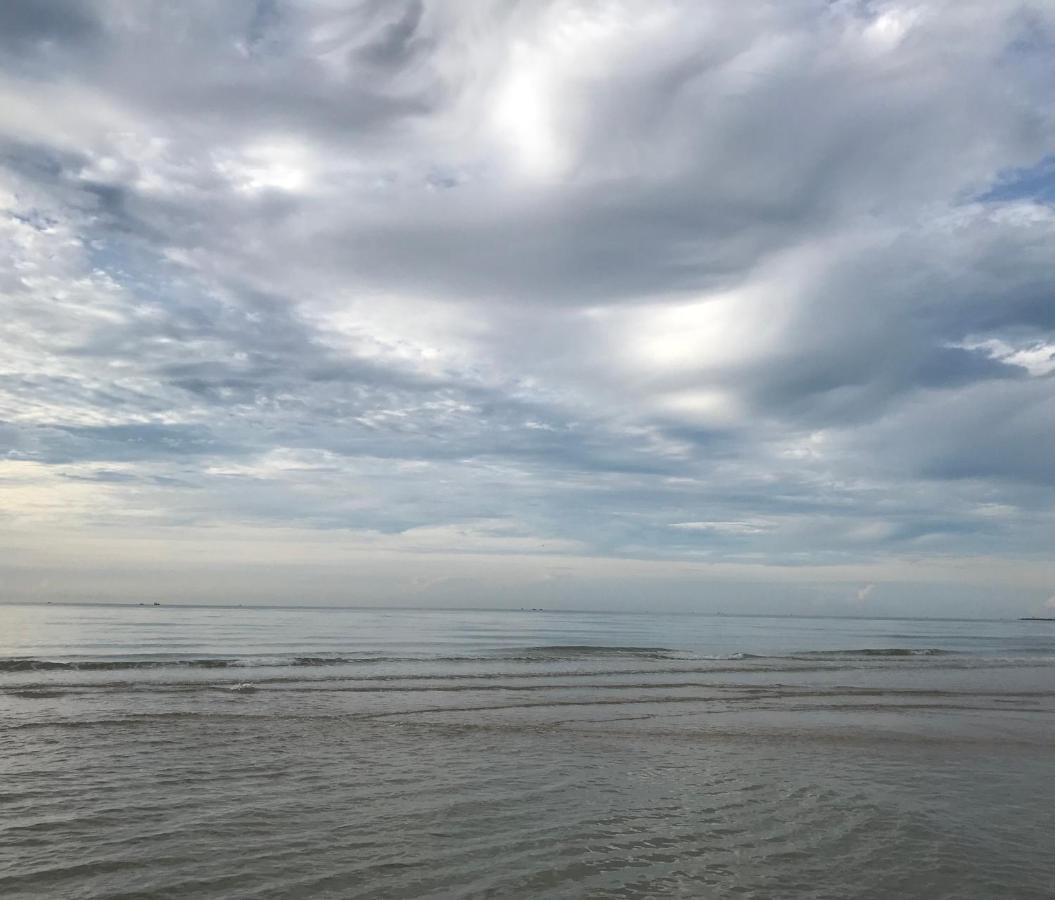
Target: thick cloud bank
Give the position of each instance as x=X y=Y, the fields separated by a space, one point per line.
x=763 y=286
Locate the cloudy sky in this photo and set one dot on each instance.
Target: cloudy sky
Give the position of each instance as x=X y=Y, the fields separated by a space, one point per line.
x=740 y=306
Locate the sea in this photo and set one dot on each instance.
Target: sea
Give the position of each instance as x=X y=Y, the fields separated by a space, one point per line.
x=260 y=752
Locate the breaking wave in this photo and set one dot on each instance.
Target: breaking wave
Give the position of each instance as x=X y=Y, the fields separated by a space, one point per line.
x=522 y=654
x=590 y=651
x=537 y=654
x=880 y=651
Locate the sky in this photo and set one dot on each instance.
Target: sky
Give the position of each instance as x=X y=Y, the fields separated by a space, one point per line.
x=740 y=307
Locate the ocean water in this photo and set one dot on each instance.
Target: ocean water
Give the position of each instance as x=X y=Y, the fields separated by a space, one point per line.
x=167 y=752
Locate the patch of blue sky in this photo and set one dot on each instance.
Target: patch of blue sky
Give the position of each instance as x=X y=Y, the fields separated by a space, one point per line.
x=1036 y=183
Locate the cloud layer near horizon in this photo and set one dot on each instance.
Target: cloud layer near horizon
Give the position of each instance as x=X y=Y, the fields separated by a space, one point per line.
x=738 y=284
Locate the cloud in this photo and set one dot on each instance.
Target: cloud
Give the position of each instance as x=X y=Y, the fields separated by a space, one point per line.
x=723 y=527
x=676 y=281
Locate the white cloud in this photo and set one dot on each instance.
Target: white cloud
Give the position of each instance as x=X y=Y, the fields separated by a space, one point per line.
x=734 y=528
x=1037 y=358
x=648 y=280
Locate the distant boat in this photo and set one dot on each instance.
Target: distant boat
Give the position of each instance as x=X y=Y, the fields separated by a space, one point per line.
x=1037 y=619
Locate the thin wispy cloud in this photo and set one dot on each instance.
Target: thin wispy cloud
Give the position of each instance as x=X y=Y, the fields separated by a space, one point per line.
x=692 y=284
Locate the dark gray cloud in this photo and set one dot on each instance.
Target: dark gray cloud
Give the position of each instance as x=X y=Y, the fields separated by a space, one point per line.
x=29 y=27
x=678 y=280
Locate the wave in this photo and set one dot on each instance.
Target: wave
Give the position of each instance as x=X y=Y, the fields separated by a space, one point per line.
x=880 y=651
x=536 y=654
x=587 y=651
x=521 y=654
x=23 y=664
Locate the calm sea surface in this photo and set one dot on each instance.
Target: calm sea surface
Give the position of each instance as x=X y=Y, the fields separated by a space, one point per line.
x=157 y=752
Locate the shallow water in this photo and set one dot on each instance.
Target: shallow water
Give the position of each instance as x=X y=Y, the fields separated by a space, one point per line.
x=271 y=753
